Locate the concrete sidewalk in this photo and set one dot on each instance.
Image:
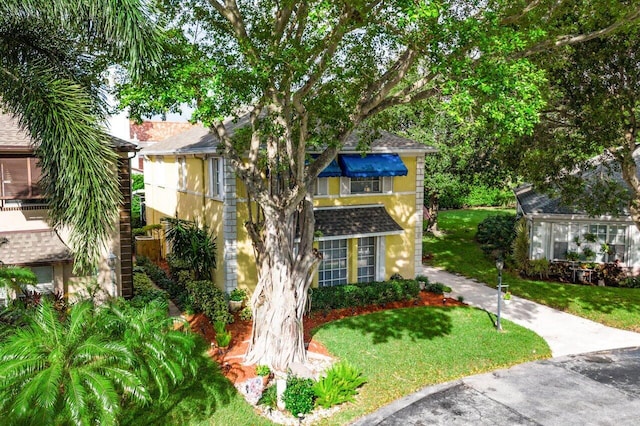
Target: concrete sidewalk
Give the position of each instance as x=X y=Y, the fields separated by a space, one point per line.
x=566 y=334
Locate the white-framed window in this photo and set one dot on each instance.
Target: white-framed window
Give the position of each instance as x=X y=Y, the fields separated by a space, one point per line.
x=216 y=177
x=322 y=186
x=366 y=259
x=368 y=185
x=182 y=174
x=44 y=274
x=592 y=239
x=333 y=268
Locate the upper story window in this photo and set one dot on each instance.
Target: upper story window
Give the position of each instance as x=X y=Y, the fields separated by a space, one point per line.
x=322 y=186
x=19 y=179
x=366 y=185
x=216 y=177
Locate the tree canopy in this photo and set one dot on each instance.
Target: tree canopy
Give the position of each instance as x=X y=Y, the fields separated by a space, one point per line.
x=309 y=73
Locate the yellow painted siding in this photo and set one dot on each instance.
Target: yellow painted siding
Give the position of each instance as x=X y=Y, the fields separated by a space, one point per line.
x=193 y=203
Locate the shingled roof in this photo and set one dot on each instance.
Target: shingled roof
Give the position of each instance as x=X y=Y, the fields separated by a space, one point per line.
x=200 y=140
x=345 y=221
x=14 y=139
x=33 y=247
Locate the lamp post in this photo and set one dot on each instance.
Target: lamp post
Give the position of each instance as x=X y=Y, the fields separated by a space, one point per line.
x=499 y=266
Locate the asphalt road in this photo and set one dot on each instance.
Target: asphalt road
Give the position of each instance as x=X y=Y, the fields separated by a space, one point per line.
x=599 y=388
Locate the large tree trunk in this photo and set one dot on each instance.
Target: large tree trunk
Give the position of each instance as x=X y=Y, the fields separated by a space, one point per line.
x=432 y=214
x=280 y=298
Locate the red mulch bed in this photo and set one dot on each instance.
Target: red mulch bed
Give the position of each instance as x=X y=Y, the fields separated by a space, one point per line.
x=231 y=360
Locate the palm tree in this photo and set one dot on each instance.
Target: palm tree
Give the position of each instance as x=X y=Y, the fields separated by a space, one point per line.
x=163 y=356
x=52 y=54
x=59 y=371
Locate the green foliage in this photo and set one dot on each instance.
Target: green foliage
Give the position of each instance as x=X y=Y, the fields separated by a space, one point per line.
x=496 y=234
x=210 y=300
x=193 y=245
x=16 y=277
x=49 y=370
x=144 y=291
x=363 y=294
x=223 y=340
x=237 y=295
x=263 y=370
x=269 y=397
x=56 y=54
x=539 y=268
x=246 y=314
x=177 y=291
x=422 y=279
x=520 y=246
x=299 y=396
x=338 y=385
x=437 y=288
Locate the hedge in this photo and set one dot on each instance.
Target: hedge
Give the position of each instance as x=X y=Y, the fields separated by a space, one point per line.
x=363 y=294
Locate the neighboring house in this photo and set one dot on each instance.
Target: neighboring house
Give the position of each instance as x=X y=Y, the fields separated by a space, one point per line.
x=31 y=242
x=559 y=232
x=368 y=210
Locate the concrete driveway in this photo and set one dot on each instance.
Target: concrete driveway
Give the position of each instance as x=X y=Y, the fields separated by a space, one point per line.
x=599 y=388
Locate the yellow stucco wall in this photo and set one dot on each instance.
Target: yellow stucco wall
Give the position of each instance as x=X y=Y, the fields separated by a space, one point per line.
x=192 y=203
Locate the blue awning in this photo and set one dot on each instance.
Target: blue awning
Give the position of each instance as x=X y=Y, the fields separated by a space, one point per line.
x=372 y=165
x=332 y=170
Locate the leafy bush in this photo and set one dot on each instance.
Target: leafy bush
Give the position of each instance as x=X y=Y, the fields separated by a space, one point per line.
x=631 y=282
x=263 y=370
x=422 y=279
x=437 y=288
x=269 y=397
x=299 y=396
x=237 y=295
x=210 y=300
x=496 y=233
x=178 y=293
x=338 y=385
x=144 y=291
x=193 y=245
x=223 y=339
x=363 y=294
x=484 y=196
x=539 y=268
x=178 y=267
x=246 y=314
x=520 y=247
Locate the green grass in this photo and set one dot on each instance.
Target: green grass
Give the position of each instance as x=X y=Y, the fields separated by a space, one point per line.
x=457 y=251
x=400 y=351
x=211 y=399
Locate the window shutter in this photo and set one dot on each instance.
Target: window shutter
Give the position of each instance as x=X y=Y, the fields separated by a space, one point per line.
x=387 y=184
x=345 y=185
x=15 y=178
x=36 y=175
x=322 y=186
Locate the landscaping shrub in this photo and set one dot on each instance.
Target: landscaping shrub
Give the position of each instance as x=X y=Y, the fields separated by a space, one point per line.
x=520 y=247
x=496 y=234
x=481 y=196
x=210 y=300
x=246 y=314
x=269 y=397
x=631 y=282
x=539 y=268
x=144 y=291
x=178 y=267
x=177 y=293
x=363 y=294
x=338 y=385
x=437 y=288
x=299 y=397
x=193 y=245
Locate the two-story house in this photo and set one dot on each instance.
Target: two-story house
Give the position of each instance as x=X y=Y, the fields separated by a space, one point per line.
x=368 y=209
x=28 y=239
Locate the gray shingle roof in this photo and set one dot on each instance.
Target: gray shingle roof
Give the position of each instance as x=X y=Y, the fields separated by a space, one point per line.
x=33 y=247
x=13 y=138
x=200 y=140
x=343 y=221
x=533 y=202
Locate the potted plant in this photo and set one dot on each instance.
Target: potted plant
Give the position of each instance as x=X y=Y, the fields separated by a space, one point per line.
x=265 y=372
x=236 y=299
x=573 y=256
x=223 y=337
x=507 y=297
x=588 y=254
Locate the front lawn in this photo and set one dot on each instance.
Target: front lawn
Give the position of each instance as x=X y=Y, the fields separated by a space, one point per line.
x=400 y=351
x=457 y=251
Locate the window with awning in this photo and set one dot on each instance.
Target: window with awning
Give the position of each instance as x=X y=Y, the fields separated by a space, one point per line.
x=19 y=178
x=372 y=165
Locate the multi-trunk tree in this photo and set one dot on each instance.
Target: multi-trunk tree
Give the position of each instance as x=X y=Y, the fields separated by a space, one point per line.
x=308 y=74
